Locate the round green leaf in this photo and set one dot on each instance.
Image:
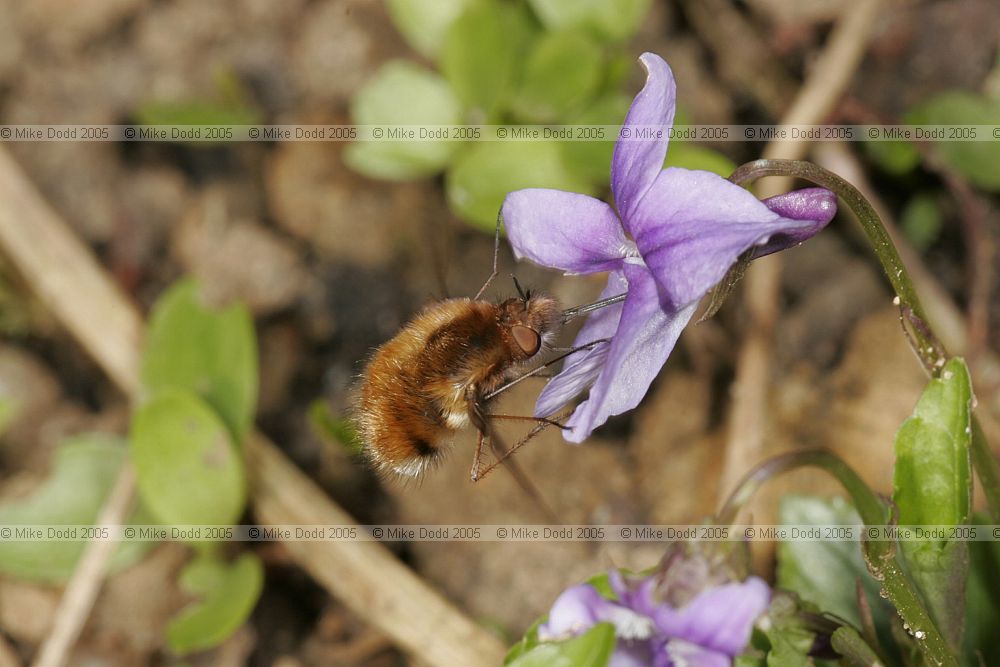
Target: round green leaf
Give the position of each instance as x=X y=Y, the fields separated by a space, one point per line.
x=424 y=23
x=893 y=157
x=479 y=54
x=211 y=353
x=402 y=93
x=592 y=159
x=921 y=220
x=976 y=160
x=187 y=469
x=563 y=71
x=591 y=649
x=614 y=20
x=482 y=176
x=83 y=471
x=228 y=592
x=823 y=572
x=693 y=156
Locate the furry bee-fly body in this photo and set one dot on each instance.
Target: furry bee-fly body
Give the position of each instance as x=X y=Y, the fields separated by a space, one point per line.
x=433 y=377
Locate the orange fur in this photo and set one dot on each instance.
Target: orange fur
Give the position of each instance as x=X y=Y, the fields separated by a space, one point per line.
x=430 y=379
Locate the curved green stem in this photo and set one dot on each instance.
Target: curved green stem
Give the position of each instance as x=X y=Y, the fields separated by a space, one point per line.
x=872 y=510
x=928 y=348
x=880 y=554
x=883 y=246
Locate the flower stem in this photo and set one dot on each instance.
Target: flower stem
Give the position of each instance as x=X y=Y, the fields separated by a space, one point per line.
x=880 y=554
x=872 y=510
x=883 y=246
x=928 y=348
x=847 y=642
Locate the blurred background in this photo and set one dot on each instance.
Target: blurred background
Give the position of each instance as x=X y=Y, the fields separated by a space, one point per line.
x=333 y=246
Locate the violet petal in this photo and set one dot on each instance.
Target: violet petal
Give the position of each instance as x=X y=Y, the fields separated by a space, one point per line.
x=574 y=611
x=563 y=230
x=637 y=161
x=646 y=334
x=692 y=226
x=679 y=653
x=719 y=618
x=581 y=607
x=631 y=654
x=581 y=368
x=816 y=205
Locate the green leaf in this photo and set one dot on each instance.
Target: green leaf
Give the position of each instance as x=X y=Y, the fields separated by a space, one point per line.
x=617 y=73
x=932 y=484
x=591 y=649
x=692 y=156
x=602 y=584
x=482 y=176
x=689 y=155
x=592 y=159
x=480 y=53
x=614 y=20
x=824 y=572
x=188 y=471
x=562 y=72
x=228 y=592
x=847 y=642
x=783 y=635
x=83 y=471
x=402 y=93
x=932 y=480
x=333 y=428
x=894 y=157
x=231 y=105
x=212 y=353
x=528 y=642
x=976 y=160
x=921 y=220
x=8 y=410
x=424 y=23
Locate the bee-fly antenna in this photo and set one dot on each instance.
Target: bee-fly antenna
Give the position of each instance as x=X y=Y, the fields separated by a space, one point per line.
x=524 y=295
x=496 y=255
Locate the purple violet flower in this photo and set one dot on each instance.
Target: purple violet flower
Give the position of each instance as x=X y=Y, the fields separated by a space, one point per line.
x=708 y=631
x=674 y=236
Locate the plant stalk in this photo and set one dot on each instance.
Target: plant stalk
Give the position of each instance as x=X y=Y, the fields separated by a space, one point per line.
x=880 y=554
x=916 y=325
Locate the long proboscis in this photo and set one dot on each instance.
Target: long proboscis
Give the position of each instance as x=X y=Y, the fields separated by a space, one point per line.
x=572 y=313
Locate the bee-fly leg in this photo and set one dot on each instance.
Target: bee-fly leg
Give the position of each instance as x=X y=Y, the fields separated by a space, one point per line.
x=478 y=418
x=496 y=255
x=476 y=460
x=475 y=410
x=538 y=428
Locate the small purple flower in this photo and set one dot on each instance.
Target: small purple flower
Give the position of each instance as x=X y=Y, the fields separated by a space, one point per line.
x=674 y=236
x=708 y=631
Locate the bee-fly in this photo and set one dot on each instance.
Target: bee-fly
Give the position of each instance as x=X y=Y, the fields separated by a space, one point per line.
x=439 y=373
